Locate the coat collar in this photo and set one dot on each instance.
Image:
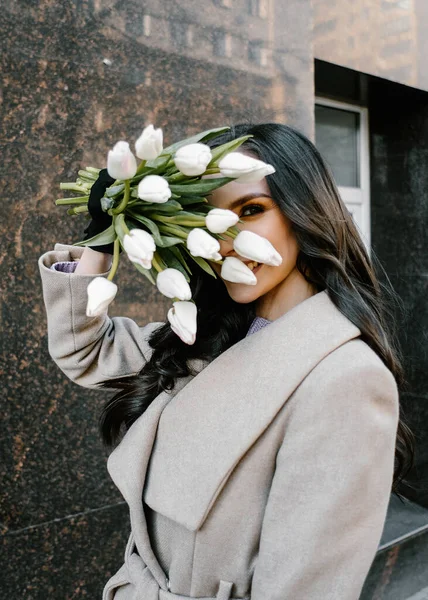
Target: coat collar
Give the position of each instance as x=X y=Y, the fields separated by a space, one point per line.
x=183 y=448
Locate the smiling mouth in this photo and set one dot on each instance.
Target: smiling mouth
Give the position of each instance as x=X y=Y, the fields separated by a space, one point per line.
x=252 y=265
x=259 y=266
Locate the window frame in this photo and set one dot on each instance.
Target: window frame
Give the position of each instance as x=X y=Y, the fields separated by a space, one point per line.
x=357 y=199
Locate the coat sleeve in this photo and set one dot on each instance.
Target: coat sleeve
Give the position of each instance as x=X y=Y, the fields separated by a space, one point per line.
x=329 y=496
x=88 y=350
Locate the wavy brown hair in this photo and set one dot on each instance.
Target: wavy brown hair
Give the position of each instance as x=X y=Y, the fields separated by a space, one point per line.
x=332 y=256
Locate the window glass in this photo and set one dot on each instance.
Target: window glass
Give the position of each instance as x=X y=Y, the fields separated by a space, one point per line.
x=336 y=133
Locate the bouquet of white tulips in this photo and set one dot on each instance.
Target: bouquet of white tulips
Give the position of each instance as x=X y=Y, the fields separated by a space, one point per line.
x=161 y=217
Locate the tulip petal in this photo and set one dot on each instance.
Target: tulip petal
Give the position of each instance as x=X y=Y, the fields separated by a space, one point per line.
x=182 y=318
x=101 y=292
x=154 y=188
x=201 y=243
x=121 y=163
x=150 y=143
x=236 y=271
x=256 y=247
x=218 y=220
x=193 y=159
x=139 y=246
x=172 y=283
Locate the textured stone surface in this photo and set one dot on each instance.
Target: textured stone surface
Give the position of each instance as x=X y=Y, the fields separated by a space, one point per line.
x=77 y=77
x=71 y=557
x=399 y=572
x=386 y=38
x=399 y=199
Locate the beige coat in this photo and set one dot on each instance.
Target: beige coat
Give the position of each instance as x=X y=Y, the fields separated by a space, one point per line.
x=265 y=476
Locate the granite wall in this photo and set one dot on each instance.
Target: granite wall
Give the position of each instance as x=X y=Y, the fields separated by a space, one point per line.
x=385 y=38
x=78 y=76
x=398 y=149
x=399 y=197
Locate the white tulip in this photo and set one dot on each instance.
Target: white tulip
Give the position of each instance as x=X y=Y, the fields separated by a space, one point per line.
x=182 y=317
x=140 y=246
x=154 y=188
x=244 y=168
x=256 y=247
x=101 y=292
x=236 y=271
x=193 y=159
x=201 y=243
x=150 y=143
x=172 y=283
x=121 y=163
x=218 y=220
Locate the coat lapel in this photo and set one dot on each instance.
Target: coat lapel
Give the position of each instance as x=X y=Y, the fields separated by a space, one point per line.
x=182 y=450
x=127 y=466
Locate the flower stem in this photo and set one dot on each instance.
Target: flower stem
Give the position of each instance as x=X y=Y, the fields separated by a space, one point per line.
x=124 y=201
x=156 y=265
x=74 y=187
x=232 y=232
x=71 y=201
x=115 y=264
x=140 y=167
x=175 y=231
x=77 y=210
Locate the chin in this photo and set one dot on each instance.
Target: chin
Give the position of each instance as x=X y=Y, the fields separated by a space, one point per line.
x=242 y=293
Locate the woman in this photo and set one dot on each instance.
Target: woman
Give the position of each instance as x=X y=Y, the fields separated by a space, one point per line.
x=258 y=462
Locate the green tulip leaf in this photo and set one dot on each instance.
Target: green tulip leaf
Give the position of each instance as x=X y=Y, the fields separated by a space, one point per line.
x=185 y=200
x=202 y=137
x=157 y=164
x=105 y=237
x=170 y=207
x=168 y=240
x=152 y=227
x=200 y=188
x=201 y=262
x=171 y=260
x=179 y=255
x=146 y=272
x=221 y=151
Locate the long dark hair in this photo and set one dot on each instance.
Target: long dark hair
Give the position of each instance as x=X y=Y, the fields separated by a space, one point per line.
x=332 y=257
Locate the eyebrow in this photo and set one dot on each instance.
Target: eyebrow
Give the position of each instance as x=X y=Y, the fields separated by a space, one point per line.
x=243 y=199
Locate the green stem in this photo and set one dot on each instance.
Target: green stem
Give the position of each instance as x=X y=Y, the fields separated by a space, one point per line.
x=115 y=264
x=71 y=201
x=232 y=232
x=156 y=265
x=120 y=225
x=140 y=167
x=124 y=201
x=177 y=220
x=74 y=187
x=87 y=175
x=77 y=210
x=174 y=231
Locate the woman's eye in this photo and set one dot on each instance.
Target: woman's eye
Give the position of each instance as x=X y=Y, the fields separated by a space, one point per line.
x=249 y=207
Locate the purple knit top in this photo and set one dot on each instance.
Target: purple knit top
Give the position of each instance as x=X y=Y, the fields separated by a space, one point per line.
x=69 y=266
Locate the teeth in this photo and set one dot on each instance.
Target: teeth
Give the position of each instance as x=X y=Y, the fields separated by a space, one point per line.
x=252 y=265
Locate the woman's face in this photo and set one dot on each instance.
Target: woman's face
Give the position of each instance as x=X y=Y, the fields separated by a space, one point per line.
x=260 y=214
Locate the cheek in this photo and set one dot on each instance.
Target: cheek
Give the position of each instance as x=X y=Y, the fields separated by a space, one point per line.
x=288 y=250
x=283 y=240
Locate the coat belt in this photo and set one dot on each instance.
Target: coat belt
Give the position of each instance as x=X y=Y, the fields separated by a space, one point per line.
x=136 y=573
